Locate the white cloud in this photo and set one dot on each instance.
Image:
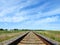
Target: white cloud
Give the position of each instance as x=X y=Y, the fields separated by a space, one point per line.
x=25 y=13
x=52 y=12
x=22 y=13
x=7 y=10
x=44 y=21
x=12 y=19
x=47 y=20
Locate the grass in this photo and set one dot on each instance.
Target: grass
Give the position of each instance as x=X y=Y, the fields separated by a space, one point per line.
x=5 y=35
x=55 y=35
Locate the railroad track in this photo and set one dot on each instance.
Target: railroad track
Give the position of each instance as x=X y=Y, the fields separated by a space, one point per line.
x=32 y=39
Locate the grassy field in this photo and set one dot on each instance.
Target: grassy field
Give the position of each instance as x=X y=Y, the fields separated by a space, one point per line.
x=55 y=35
x=5 y=35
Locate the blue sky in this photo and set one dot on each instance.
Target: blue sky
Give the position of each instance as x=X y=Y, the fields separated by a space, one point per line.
x=30 y=14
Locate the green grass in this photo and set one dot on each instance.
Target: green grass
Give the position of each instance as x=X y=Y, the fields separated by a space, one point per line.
x=5 y=35
x=55 y=35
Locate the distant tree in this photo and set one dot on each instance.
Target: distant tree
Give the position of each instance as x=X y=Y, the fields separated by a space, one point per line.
x=6 y=29
x=25 y=30
x=1 y=29
x=15 y=29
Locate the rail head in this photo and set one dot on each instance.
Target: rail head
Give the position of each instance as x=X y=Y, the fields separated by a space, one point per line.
x=52 y=42
x=7 y=42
